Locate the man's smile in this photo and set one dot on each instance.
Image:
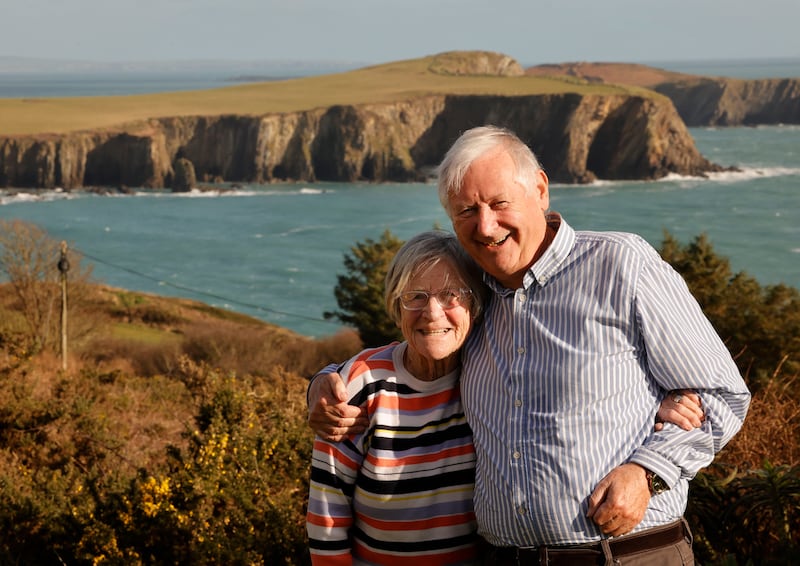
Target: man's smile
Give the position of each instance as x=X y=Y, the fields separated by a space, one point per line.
x=496 y=243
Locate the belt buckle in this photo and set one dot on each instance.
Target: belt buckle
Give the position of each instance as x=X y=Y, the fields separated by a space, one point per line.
x=544 y=558
x=532 y=555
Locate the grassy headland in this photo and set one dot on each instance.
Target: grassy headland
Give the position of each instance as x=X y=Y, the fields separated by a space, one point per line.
x=389 y=82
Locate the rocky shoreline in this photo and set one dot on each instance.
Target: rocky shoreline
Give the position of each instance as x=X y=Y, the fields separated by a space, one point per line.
x=579 y=137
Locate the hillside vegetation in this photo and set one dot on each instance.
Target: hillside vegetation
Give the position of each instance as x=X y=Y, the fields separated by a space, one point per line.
x=447 y=73
x=177 y=432
x=634 y=74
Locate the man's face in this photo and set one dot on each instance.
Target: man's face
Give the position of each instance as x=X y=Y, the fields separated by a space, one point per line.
x=500 y=224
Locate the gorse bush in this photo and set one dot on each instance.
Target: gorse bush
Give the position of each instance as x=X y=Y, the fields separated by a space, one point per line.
x=235 y=493
x=229 y=489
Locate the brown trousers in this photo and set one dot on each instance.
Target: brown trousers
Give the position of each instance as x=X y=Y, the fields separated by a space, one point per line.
x=677 y=552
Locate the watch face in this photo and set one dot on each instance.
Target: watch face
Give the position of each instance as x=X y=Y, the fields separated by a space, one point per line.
x=656 y=484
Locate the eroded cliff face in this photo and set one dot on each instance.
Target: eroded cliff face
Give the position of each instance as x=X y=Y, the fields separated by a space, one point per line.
x=577 y=138
x=734 y=102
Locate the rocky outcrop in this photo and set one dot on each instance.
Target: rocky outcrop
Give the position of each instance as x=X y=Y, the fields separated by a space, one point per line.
x=578 y=139
x=734 y=102
x=700 y=101
x=184 y=179
x=475 y=63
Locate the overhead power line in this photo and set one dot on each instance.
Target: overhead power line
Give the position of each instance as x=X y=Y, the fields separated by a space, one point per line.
x=199 y=292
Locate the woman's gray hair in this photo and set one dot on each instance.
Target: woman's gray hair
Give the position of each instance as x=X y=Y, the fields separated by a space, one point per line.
x=473 y=144
x=421 y=253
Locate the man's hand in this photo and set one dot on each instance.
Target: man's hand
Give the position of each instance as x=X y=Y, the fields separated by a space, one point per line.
x=329 y=414
x=683 y=408
x=619 y=501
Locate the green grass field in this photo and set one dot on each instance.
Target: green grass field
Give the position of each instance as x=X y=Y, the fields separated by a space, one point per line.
x=402 y=80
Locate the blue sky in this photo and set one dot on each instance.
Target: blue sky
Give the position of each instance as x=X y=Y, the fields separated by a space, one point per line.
x=375 y=31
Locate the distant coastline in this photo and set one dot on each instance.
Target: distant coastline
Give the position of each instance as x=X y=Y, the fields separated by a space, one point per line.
x=34 y=78
x=38 y=78
x=772 y=68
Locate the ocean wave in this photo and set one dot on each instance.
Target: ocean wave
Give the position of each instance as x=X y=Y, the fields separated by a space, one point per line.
x=778 y=127
x=213 y=193
x=303 y=229
x=42 y=195
x=250 y=192
x=688 y=181
x=750 y=173
x=16 y=197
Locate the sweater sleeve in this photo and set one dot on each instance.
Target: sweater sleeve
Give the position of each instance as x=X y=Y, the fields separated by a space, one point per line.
x=334 y=469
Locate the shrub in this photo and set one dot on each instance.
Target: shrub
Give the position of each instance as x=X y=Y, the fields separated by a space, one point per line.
x=79 y=484
x=745 y=516
x=760 y=325
x=236 y=493
x=29 y=259
x=359 y=293
x=263 y=349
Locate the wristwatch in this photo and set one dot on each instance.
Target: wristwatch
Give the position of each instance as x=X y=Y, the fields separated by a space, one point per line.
x=655 y=484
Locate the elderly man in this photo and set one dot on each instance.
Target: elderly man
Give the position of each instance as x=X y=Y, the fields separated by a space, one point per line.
x=584 y=335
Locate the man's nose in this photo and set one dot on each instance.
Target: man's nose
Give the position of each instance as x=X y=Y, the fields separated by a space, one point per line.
x=486 y=222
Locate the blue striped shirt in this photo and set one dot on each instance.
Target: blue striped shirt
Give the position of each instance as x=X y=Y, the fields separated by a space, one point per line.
x=562 y=381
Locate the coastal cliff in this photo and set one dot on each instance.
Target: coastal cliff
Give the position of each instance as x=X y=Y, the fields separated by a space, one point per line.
x=578 y=138
x=700 y=101
x=734 y=102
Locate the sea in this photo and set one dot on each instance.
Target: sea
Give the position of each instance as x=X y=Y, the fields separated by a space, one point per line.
x=274 y=251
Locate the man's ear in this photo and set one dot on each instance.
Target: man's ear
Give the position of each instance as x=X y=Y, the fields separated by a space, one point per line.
x=543 y=189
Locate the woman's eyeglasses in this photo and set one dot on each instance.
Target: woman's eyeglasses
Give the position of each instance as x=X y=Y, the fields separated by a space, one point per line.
x=447 y=298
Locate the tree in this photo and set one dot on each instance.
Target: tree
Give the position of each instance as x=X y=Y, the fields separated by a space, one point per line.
x=29 y=260
x=760 y=325
x=359 y=293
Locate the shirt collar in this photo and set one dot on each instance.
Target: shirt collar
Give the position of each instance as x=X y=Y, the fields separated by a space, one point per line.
x=551 y=260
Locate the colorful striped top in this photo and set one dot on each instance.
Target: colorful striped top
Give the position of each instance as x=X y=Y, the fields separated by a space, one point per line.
x=402 y=490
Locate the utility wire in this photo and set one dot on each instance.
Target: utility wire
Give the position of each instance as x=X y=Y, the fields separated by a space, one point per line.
x=201 y=293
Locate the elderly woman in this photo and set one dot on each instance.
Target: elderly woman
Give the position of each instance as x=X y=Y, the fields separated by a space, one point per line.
x=402 y=490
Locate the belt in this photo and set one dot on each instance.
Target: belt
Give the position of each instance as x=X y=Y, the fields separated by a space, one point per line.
x=592 y=553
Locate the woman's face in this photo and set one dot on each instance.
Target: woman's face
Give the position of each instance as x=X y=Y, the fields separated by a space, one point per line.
x=435 y=333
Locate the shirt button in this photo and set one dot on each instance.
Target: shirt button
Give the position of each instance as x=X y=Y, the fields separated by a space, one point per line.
x=518 y=402
x=517 y=455
x=522 y=298
x=520 y=350
x=521 y=510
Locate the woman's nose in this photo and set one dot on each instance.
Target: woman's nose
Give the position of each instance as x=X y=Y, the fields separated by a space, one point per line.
x=433 y=307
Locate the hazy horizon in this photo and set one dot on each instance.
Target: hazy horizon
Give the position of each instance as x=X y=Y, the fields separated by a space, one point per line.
x=375 y=32
x=295 y=67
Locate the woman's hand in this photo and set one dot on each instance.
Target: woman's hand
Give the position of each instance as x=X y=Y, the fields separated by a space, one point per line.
x=682 y=408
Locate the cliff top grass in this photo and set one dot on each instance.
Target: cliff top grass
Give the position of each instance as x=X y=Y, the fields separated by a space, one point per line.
x=396 y=81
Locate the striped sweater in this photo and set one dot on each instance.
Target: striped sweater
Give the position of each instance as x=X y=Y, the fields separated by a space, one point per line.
x=402 y=490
